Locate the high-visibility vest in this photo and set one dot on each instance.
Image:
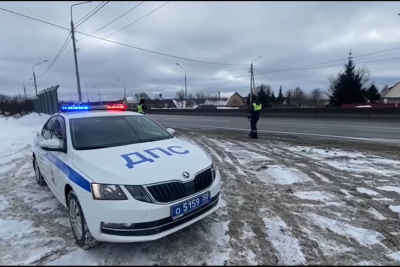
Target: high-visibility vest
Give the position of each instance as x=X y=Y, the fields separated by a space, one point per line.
x=257 y=107
x=140 y=108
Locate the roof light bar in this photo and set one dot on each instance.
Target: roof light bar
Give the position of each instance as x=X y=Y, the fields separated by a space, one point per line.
x=116 y=107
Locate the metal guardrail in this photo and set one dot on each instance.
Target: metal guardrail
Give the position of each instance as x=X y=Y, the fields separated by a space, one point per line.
x=383 y=113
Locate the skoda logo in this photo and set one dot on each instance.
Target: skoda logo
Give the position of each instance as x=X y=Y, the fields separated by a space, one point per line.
x=185 y=175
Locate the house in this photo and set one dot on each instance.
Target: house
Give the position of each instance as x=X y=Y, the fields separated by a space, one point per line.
x=392 y=95
x=226 y=99
x=129 y=102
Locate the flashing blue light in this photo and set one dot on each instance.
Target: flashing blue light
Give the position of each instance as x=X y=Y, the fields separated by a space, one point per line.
x=74 y=107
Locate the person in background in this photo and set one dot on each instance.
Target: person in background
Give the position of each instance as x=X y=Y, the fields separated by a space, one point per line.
x=141 y=106
x=254 y=116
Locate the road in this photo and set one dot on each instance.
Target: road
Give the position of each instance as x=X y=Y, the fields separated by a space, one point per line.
x=386 y=131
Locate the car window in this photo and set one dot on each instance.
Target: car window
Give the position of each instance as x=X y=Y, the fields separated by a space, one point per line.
x=46 y=131
x=58 y=130
x=110 y=131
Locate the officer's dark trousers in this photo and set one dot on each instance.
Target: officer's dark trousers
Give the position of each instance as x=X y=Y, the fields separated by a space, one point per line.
x=253 y=126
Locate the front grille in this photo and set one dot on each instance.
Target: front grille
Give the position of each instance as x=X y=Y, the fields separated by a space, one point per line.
x=169 y=192
x=159 y=226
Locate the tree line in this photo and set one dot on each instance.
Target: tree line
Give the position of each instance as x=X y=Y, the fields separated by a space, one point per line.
x=11 y=105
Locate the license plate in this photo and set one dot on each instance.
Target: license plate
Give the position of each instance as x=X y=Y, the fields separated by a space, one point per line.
x=180 y=209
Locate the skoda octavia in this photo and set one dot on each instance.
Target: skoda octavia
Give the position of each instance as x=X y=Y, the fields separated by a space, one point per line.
x=122 y=176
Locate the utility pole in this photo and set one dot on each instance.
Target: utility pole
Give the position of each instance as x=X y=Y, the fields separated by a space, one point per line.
x=78 y=82
x=34 y=76
x=252 y=84
x=185 y=83
x=124 y=87
x=87 y=93
x=23 y=83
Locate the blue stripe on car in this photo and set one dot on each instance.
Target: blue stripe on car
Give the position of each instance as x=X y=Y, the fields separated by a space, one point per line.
x=69 y=172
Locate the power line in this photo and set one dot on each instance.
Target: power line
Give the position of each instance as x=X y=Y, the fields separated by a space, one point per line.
x=78 y=24
x=130 y=46
x=224 y=83
x=266 y=76
x=56 y=57
x=332 y=61
x=113 y=20
x=128 y=24
x=177 y=57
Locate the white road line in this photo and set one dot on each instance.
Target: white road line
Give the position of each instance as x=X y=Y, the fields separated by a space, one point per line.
x=377 y=140
x=328 y=125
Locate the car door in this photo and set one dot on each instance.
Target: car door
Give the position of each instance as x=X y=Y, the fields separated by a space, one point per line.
x=58 y=176
x=42 y=155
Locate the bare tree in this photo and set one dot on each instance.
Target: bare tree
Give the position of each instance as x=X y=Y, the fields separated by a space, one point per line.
x=365 y=74
x=141 y=95
x=298 y=96
x=200 y=95
x=315 y=96
x=180 y=95
x=384 y=89
x=190 y=96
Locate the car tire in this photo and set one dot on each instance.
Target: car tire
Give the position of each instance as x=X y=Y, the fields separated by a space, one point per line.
x=83 y=237
x=38 y=175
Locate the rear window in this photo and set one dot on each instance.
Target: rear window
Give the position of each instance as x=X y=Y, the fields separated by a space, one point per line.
x=111 y=131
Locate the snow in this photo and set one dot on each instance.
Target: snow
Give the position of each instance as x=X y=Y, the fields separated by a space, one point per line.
x=383 y=199
x=11 y=229
x=395 y=208
x=313 y=195
x=350 y=161
x=364 y=237
x=3 y=203
x=247 y=232
x=48 y=206
x=390 y=188
x=287 y=247
x=367 y=191
x=376 y=214
x=323 y=178
x=327 y=246
x=277 y=174
x=395 y=256
x=63 y=221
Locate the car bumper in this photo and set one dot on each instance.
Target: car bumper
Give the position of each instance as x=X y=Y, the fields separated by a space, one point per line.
x=152 y=221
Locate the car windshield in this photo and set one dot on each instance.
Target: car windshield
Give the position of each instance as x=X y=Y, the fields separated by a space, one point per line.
x=111 y=131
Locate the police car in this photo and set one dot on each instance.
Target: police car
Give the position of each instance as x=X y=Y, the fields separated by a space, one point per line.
x=122 y=176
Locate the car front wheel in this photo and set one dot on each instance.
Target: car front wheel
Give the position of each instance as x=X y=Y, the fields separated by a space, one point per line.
x=83 y=237
x=38 y=175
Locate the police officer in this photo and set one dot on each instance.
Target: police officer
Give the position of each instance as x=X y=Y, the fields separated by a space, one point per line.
x=254 y=116
x=141 y=107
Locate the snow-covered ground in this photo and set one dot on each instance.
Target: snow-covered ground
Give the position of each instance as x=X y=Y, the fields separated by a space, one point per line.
x=282 y=204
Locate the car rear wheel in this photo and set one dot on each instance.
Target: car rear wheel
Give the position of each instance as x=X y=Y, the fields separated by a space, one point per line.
x=38 y=175
x=83 y=237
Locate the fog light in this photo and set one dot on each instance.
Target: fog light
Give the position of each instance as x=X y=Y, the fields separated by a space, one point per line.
x=118 y=225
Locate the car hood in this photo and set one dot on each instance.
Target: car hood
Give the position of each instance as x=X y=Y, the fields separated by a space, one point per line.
x=132 y=165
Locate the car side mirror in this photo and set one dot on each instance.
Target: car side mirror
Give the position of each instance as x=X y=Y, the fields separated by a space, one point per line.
x=51 y=145
x=171 y=131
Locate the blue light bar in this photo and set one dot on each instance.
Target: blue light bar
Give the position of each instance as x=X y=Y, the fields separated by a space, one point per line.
x=74 y=107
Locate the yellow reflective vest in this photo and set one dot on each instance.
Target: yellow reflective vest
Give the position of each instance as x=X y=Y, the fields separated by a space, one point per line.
x=257 y=107
x=140 y=108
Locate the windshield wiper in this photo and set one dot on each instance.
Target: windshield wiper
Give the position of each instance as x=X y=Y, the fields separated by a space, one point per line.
x=92 y=147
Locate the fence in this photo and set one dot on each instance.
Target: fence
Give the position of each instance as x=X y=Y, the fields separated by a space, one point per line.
x=46 y=101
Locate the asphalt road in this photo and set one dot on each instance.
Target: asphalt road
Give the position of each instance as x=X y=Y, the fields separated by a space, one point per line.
x=387 y=131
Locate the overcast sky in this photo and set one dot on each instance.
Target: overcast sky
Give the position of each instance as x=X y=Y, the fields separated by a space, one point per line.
x=286 y=35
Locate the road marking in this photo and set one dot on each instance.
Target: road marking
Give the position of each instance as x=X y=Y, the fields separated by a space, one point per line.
x=392 y=141
x=313 y=124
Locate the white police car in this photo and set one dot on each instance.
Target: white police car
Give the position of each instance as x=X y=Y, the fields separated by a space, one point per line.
x=122 y=176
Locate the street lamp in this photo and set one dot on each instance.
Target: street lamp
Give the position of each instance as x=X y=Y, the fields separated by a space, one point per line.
x=78 y=82
x=252 y=85
x=34 y=77
x=23 y=83
x=185 y=81
x=124 y=87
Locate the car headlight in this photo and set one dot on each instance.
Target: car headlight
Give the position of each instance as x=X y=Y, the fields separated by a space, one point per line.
x=138 y=193
x=107 y=192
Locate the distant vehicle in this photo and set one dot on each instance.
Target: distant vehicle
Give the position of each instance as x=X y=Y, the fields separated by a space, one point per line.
x=120 y=175
x=205 y=106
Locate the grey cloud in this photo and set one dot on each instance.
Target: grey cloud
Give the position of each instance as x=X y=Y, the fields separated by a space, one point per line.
x=286 y=34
